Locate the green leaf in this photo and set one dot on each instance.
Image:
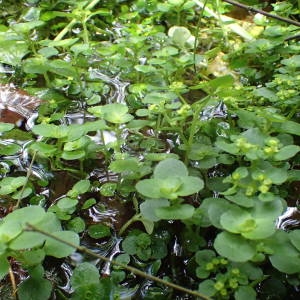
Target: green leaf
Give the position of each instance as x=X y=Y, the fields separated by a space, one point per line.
x=84 y=274
x=295 y=238
x=245 y=293
x=59 y=249
x=145 y=69
x=9 y=185
x=51 y=130
x=31 y=258
x=27 y=240
x=67 y=204
x=12 y=52
x=36 y=65
x=6 y=126
x=265 y=215
x=214 y=208
x=4 y=266
x=230 y=148
x=62 y=68
x=34 y=288
x=108 y=189
x=9 y=149
x=60 y=43
x=287 y=152
x=290 y=127
x=149 y=188
x=170 y=167
x=125 y=165
x=77 y=225
x=77 y=144
x=234 y=247
x=266 y=93
x=148 y=207
x=114 y=113
x=190 y=185
x=202 y=258
x=98 y=231
x=44 y=149
x=88 y=203
x=175 y=212
x=225 y=81
x=207 y=288
x=73 y=155
x=241 y=199
x=292 y=62
x=181 y=37
x=286 y=260
x=25 y=28
x=80 y=187
x=129 y=245
x=237 y=220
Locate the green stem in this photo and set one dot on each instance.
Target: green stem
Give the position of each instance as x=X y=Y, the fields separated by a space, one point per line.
x=135 y=218
x=126 y=267
x=85 y=33
x=28 y=174
x=221 y=22
x=193 y=128
x=197 y=34
x=73 y=22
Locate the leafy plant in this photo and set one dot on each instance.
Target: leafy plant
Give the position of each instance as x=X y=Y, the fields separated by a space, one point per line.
x=169 y=113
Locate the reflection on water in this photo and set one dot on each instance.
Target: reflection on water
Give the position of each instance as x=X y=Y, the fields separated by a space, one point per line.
x=119 y=86
x=290 y=219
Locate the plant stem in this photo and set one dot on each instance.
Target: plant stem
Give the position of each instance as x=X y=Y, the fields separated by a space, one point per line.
x=262 y=12
x=135 y=218
x=73 y=22
x=27 y=179
x=113 y=262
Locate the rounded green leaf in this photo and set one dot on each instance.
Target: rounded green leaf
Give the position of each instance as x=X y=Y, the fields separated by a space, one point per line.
x=241 y=199
x=234 y=247
x=98 y=231
x=34 y=288
x=214 y=208
x=286 y=259
x=148 y=208
x=73 y=155
x=59 y=249
x=50 y=130
x=295 y=238
x=190 y=185
x=207 y=288
x=6 y=126
x=84 y=274
x=175 y=212
x=77 y=225
x=149 y=188
x=245 y=293
x=237 y=220
x=77 y=144
x=170 y=167
x=287 y=152
x=27 y=240
x=9 y=185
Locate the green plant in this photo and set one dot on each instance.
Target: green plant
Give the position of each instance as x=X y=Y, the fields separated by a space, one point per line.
x=31 y=248
x=160 y=111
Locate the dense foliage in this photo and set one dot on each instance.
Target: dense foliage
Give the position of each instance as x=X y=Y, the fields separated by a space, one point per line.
x=176 y=114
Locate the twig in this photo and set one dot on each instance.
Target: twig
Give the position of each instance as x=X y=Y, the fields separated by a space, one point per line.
x=28 y=174
x=126 y=267
x=256 y=10
x=13 y=283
